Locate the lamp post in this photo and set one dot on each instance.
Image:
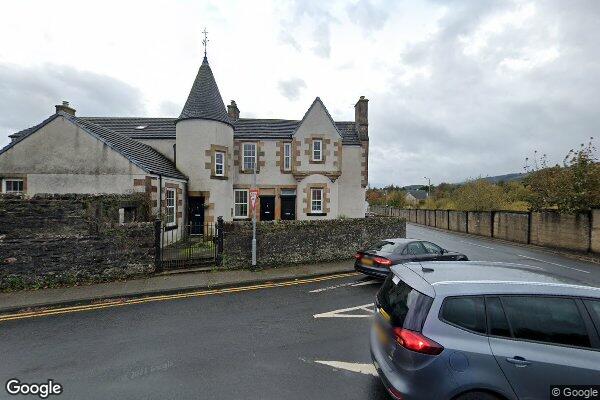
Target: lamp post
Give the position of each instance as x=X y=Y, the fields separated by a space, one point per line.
x=428 y=186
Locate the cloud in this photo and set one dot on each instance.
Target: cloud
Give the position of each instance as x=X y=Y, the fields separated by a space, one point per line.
x=370 y=15
x=30 y=93
x=291 y=88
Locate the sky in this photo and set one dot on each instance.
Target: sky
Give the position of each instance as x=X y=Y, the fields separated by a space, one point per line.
x=456 y=89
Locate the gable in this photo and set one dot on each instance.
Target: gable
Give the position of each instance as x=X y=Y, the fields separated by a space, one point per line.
x=317 y=121
x=62 y=147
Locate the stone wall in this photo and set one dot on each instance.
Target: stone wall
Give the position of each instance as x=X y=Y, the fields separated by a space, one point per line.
x=294 y=242
x=595 y=239
x=512 y=226
x=560 y=230
x=458 y=221
x=441 y=219
x=431 y=217
x=48 y=241
x=480 y=223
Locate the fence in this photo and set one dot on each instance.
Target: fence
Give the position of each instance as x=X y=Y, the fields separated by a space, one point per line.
x=578 y=232
x=190 y=245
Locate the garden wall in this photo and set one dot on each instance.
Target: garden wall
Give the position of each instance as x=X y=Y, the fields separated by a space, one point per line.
x=295 y=242
x=71 y=239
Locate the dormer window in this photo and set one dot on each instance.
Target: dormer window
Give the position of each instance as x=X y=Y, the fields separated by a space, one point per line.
x=141 y=127
x=317 y=150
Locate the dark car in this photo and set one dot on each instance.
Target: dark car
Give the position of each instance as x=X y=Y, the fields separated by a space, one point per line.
x=377 y=259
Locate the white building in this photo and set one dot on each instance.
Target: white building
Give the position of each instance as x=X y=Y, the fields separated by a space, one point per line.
x=199 y=166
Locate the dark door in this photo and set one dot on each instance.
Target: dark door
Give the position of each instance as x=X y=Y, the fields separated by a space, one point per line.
x=196 y=213
x=267 y=208
x=288 y=207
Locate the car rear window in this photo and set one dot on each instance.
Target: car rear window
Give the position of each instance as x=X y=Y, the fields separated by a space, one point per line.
x=385 y=246
x=406 y=306
x=467 y=312
x=546 y=319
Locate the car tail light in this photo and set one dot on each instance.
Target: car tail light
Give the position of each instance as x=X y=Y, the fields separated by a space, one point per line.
x=394 y=393
x=358 y=256
x=415 y=341
x=382 y=261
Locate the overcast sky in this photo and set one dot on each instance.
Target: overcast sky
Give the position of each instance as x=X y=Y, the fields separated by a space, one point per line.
x=457 y=89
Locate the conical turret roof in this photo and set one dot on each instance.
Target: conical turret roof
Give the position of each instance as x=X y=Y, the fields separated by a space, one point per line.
x=204 y=100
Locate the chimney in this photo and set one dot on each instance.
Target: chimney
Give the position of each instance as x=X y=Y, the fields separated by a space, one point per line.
x=361 y=118
x=64 y=107
x=233 y=111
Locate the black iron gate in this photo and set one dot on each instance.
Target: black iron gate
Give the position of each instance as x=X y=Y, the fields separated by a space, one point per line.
x=188 y=246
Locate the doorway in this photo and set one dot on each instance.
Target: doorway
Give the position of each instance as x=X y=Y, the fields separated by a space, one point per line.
x=288 y=207
x=267 y=208
x=196 y=215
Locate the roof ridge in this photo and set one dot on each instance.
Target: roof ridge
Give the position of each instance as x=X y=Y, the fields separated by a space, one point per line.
x=315 y=101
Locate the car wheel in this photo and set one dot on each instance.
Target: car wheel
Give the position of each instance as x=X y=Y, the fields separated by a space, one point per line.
x=477 y=396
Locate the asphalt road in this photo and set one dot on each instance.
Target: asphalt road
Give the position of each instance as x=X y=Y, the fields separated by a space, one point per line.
x=255 y=344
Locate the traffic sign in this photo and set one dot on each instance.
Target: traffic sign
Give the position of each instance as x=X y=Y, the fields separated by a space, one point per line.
x=253 y=197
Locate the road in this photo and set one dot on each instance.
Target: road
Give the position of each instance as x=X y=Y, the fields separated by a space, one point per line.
x=300 y=341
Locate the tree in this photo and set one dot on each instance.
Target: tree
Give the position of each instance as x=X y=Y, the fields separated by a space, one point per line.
x=479 y=195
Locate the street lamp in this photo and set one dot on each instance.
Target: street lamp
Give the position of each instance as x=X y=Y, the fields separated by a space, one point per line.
x=428 y=186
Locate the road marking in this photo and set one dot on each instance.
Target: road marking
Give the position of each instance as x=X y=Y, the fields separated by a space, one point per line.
x=357 y=283
x=549 y=262
x=367 y=369
x=340 y=313
x=478 y=245
x=200 y=293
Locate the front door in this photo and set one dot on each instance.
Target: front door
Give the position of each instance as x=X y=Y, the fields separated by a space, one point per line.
x=196 y=213
x=267 y=208
x=288 y=207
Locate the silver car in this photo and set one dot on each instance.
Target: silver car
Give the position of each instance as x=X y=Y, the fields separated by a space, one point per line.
x=483 y=330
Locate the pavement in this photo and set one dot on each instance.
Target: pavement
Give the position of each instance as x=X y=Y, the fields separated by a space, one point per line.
x=304 y=338
x=161 y=284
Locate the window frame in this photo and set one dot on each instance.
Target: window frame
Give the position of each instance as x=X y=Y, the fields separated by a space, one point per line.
x=320 y=141
x=254 y=146
x=287 y=156
x=321 y=201
x=221 y=164
x=439 y=253
x=235 y=203
x=6 y=180
x=169 y=190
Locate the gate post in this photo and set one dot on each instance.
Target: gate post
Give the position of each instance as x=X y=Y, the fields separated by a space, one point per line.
x=219 y=257
x=157 y=247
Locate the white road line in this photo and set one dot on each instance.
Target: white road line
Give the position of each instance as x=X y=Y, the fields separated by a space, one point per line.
x=367 y=369
x=558 y=265
x=478 y=245
x=371 y=282
x=339 y=313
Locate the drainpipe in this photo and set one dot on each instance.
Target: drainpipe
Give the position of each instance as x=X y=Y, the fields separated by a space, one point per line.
x=160 y=197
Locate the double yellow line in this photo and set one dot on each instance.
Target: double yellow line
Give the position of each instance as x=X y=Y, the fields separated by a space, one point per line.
x=199 y=293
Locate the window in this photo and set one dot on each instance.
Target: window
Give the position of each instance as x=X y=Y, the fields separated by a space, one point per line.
x=407 y=307
x=171 y=206
x=415 y=249
x=287 y=156
x=12 y=186
x=249 y=156
x=384 y=246
x=316 y=200
x=465 y=312
x=240 y=207
x=317 y=152
x=496 y=318
x=432 y=248
x=219 y=163
x=546 y=319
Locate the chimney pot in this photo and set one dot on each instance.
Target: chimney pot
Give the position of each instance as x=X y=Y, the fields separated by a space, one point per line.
x=361 y=118
x=233 y=111
x=65 y=108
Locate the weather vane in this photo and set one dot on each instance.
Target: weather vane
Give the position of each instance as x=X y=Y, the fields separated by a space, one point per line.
x=205 y=40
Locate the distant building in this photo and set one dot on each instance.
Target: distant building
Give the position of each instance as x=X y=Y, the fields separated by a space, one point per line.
x=199 y=166
x=415 y=196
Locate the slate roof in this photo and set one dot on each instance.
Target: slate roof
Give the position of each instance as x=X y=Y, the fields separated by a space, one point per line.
x=204 y=100
x=244 y=128
x=137 y=152
x=418 y=194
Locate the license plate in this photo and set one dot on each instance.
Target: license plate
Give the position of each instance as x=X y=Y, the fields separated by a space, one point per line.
x=367 y=261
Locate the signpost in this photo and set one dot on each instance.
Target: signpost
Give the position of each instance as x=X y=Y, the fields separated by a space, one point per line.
x=253 y=200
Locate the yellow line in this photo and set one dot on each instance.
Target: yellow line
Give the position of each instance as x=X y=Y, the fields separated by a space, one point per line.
x=199 y=293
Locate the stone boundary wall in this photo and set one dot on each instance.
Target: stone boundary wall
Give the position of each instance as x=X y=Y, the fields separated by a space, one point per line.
x=59 y=240
x=579 y=232
x=298 y=242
